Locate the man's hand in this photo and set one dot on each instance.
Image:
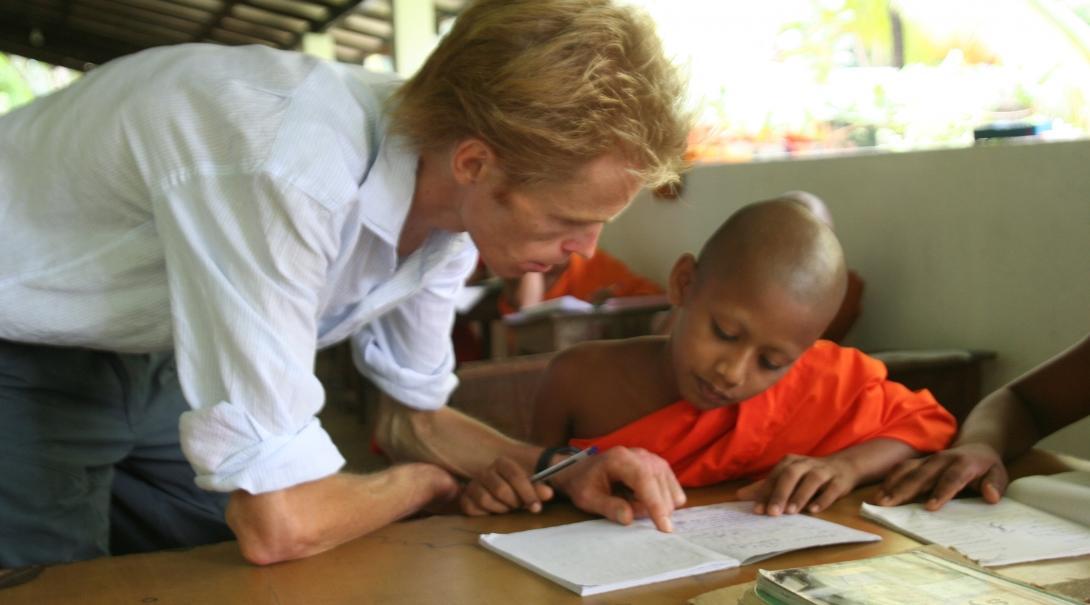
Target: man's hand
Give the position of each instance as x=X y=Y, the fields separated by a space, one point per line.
x=502 y=487
x=944 y=474
x=652 y=488
x=801 y=483
x=313 y=517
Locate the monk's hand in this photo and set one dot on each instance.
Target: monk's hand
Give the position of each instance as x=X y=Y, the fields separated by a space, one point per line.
x=941 y=476
x=647 y=486
x=801 y=483
x=503 y=487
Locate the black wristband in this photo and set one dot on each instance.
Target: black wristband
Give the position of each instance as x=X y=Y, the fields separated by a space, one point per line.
x=547 y=455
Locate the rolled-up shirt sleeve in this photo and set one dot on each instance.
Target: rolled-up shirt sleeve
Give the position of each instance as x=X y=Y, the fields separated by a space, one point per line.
x=408 y=352
x=246 y=259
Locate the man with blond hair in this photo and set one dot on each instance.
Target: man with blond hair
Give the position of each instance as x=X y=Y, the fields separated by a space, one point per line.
x=183 y=228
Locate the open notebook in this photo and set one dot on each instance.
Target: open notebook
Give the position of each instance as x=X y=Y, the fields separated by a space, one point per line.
x=1041 y=517
x=598 y=556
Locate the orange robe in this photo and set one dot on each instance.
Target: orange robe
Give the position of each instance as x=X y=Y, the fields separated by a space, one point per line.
x=583 y=278
x=832 y=398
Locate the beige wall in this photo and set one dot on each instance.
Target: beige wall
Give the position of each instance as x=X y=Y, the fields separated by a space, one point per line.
x=981 y=248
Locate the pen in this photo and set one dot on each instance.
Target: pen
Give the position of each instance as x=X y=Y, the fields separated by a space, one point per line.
x=563 y=464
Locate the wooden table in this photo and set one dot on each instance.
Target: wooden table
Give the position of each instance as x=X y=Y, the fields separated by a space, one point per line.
x=429 y=560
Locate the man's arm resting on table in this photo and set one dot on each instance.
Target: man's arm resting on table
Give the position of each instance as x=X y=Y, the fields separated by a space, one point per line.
x=313 y=517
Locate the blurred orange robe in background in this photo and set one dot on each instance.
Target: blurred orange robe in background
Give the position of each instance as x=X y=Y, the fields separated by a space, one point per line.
x=584 y=278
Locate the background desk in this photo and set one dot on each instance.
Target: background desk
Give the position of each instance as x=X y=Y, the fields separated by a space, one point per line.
x=555 y=331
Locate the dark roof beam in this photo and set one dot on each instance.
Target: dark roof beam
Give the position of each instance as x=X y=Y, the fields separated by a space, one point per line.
x=271 y=19
x=61 y=44
x=168 y=8
x=367 y=25
x=122 y=28
x=138 y=15
x=278 y=37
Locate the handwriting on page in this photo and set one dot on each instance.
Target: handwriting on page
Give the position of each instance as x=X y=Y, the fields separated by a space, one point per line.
x=733 y=530
x=992 y=534
x=603 y=552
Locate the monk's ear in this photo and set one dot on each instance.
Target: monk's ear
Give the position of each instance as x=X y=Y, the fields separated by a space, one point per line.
x=682 y=280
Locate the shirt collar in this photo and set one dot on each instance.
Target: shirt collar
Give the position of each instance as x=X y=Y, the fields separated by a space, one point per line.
x=387 y=190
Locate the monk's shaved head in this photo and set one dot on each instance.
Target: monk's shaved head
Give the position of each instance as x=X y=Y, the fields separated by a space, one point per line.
x=778 y=243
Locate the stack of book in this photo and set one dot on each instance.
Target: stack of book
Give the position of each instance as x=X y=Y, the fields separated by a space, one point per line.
x=916 y=577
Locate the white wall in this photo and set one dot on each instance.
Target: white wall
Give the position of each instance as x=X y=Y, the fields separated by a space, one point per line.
x=982 y=248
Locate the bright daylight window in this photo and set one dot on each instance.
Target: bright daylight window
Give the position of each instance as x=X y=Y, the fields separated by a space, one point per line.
x=21 y=80
x=786 y=77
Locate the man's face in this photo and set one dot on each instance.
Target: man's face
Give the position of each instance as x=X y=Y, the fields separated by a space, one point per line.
x=522 y=230
x=736 y=338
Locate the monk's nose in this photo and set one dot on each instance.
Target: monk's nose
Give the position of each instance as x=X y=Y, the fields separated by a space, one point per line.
x=732 y=370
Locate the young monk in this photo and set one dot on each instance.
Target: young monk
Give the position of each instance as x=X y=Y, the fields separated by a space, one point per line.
x=739 y=388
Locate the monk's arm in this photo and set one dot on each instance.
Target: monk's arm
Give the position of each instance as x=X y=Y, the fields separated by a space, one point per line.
x=871 y=460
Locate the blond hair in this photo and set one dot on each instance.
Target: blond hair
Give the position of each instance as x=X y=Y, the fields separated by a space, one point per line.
x=550 y=85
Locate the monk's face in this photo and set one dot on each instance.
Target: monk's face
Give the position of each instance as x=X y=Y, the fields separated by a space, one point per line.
x=735 y=337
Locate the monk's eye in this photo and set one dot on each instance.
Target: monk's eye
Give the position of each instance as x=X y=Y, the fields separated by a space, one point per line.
x=721 y=335
x=769 y=365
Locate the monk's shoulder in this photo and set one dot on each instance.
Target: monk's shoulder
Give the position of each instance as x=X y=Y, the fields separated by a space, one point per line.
x=599 y=359
x=602 y=371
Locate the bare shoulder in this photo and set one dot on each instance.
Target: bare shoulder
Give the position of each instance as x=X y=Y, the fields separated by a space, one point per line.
x=606 y=384
x=601 y=359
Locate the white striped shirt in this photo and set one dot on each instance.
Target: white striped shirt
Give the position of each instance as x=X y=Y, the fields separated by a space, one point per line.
x=242 y=205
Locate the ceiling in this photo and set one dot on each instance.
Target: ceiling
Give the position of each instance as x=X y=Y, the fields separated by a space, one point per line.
x=83 y=33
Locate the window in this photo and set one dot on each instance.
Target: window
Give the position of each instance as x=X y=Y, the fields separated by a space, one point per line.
x=775 y=79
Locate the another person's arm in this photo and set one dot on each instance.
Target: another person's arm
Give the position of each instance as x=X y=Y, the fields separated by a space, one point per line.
x=1004 y=425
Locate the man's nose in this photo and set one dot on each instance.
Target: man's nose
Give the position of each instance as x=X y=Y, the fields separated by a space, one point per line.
x=584 y=244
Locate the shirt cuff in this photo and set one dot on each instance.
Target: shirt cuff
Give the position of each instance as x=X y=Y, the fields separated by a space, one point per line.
x=229 y=450
x=415 y=389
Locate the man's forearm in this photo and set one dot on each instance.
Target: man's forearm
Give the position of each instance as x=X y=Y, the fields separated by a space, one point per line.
x=446 y=437
x=313 y=517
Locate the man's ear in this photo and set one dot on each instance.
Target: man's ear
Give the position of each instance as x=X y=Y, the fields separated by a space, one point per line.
x=682 y=280
x=472 y=161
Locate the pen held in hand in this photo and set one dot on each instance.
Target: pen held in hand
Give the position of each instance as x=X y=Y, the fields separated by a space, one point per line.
x=563 y=464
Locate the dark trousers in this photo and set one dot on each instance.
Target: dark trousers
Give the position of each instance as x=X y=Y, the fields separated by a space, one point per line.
x=90 y=463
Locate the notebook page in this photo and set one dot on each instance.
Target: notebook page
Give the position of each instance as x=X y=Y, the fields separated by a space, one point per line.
x=598 y=556
x=1065 y=495
x=732 y=529
x=991 y=534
